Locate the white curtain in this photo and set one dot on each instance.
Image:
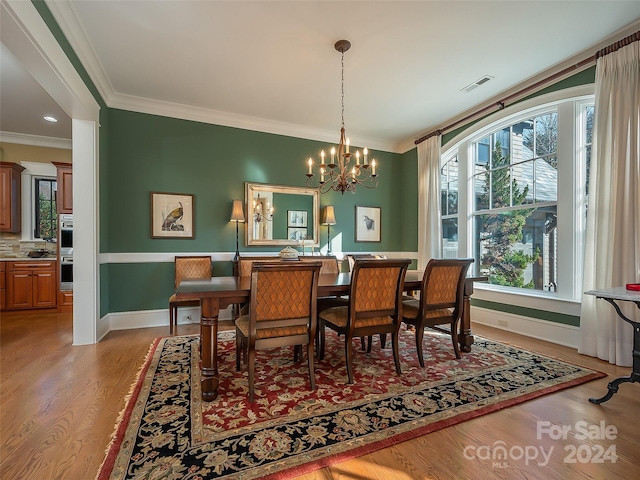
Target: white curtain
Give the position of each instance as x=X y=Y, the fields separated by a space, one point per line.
x=429 y=218
x=612 y=249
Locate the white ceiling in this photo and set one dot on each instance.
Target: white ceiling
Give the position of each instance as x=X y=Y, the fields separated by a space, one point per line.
x=271 y=65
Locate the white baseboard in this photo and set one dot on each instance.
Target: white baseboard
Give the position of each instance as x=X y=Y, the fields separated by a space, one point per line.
x=151 y=318
x=553 y=332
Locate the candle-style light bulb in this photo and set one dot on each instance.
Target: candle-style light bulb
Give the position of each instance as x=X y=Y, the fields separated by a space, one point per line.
x=348 y=143
x=322 y=157
x=357 y=157
x=322 y=174
x=333 y=154
x=310 y=166
x=365 y=152
x=373 y=167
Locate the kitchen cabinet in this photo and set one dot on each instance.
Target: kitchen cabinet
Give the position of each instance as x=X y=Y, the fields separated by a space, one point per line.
x=65 y=187
x=10 y=200
x=3 y=289
x=65 y=300
x=31 y=284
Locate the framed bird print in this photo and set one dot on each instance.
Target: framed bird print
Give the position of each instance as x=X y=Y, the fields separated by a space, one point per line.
x=368 y=224
x=171 y=215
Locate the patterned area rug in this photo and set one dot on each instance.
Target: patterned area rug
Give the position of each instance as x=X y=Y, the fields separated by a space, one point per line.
x=167 y=432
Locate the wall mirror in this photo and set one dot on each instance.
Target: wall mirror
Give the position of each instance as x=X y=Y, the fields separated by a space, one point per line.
x=281 y=215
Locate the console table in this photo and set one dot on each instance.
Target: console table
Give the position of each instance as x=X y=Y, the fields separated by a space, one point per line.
x=621 y=294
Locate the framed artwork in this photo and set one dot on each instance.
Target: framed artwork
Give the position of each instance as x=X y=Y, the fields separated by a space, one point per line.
x=171 y=215
x=297 y=233
x=297 y=218
x=368 y=225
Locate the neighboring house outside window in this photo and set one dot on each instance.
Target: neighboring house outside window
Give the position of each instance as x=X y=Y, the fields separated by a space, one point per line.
x=514 y=195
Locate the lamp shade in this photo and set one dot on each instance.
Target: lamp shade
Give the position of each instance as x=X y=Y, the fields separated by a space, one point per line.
x=237 y=212
x=328 y=215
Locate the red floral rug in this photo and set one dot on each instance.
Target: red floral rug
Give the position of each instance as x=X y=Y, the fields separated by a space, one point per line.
x=167 y=432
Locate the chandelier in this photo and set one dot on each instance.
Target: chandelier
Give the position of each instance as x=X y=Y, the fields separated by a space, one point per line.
x=260 y=212
x=346 y=170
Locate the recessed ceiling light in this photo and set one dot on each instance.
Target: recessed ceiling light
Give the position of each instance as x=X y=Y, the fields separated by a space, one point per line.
x=51 y=119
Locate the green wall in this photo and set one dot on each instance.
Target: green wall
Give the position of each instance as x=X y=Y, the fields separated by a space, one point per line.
x=149 y=153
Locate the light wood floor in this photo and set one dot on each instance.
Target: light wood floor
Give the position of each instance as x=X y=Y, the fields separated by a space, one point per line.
x=59 y=404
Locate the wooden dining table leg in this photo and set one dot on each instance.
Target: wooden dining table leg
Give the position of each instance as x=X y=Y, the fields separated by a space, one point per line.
x=465 y=337
x=209 y=348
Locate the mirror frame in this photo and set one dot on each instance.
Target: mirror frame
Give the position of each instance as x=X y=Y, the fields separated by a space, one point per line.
x=252 y=189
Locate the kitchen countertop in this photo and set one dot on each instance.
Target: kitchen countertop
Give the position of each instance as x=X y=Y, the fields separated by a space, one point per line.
x=27 y=259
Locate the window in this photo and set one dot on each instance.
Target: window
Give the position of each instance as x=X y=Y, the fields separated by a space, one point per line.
x=45 y=213
x=449 y=206
x=518 y=224
x=515 y=195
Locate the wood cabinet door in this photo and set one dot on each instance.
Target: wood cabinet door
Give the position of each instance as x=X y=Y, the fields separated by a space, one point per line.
x=19 y=289
x=10 y=197
x=65 y=187
x=44 y=288
x=3 y=286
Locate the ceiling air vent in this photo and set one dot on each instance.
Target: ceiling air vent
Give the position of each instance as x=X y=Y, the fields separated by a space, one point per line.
x=477 y=83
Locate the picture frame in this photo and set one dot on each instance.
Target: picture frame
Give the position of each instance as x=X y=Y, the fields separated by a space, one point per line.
x=297 y=218
x=295 y=234
x=368 y=226
x=172 y=215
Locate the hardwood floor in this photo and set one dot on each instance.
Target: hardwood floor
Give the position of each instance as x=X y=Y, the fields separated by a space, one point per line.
x=59 y=405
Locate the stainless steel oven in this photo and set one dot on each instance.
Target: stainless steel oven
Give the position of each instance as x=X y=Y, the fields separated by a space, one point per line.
x=66 y=273
x=65 y=240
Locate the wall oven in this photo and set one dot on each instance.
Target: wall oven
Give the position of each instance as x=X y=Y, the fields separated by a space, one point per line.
x=65 y=240
x=66 y=273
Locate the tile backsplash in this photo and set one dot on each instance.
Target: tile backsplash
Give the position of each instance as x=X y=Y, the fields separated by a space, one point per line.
x=15 y=248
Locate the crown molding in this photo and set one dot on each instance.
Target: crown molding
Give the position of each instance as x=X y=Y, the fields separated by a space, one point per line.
x=35 y=140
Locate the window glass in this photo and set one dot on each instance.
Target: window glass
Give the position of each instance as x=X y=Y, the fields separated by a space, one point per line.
x=449 y=184
x=516 y=246
x=589 y=110
x=450 y=237
x=46 y=216
x=449 y=187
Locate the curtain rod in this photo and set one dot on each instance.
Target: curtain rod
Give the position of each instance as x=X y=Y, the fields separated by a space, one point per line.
x=502 y=103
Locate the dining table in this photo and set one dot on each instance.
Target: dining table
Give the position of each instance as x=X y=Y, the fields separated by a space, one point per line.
x=217 y=293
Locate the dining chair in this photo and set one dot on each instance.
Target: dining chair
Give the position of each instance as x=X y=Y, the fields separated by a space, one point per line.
x=375 y=306
x=440 y=302
x=282 y=312
x=242 y=268
x=198 y=266
x=330 y=266
x=351 y=259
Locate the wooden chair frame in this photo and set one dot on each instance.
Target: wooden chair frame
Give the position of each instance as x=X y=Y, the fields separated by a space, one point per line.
x=194 y=266
x=278 y=322
x=354 y=315
x=439 y=304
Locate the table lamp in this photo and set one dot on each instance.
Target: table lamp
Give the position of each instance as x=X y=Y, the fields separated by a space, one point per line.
x=237 y=215
x=328 y=219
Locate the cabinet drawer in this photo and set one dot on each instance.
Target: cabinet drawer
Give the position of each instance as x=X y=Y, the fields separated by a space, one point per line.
x=28 y=265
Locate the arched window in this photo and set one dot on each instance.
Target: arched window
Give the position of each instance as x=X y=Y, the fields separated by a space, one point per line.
x=521 y=214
